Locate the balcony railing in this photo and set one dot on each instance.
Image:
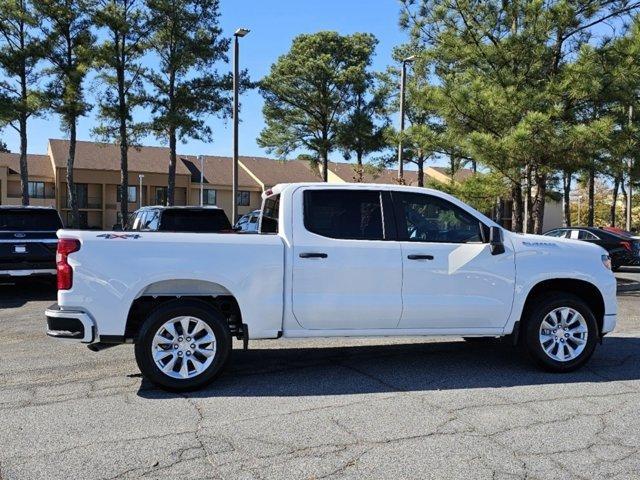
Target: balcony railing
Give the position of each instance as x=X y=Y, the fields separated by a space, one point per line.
x=84 y=202
x=19 y=195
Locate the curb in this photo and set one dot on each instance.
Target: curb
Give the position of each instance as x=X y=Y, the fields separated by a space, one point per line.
x=628 y=287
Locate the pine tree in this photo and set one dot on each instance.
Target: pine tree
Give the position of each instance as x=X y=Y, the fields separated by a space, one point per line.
x=186 y=87
x=121 y=75
x=69 y=49
x=21 y=50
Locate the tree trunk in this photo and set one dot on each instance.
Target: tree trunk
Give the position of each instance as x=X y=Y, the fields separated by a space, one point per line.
x=24 y=172
x=591 y=200
x=420 y=172
x=71 y=190
x=124 y=150
x=172 y=167
x=537 y=207
x=516 y=211
x=614 y=200
x=624 y=198
x=325 y=166
x=566 y=198
x=474 y=166
x=452 y=164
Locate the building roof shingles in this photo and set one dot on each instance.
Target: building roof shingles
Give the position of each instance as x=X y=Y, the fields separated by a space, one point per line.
x=37 y=165
x=271 y=172
x=106 y=156
x=217 y=171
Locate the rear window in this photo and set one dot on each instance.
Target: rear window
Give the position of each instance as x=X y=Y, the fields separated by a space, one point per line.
x=29 y=220
x=344 y=214
x=270 y=214
x=202 y=221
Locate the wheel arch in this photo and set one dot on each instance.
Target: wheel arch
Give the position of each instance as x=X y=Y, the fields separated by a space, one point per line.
x=582 y=289
x=159 y=292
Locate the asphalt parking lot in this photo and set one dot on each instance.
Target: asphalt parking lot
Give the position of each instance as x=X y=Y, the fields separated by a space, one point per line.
x=378 y=408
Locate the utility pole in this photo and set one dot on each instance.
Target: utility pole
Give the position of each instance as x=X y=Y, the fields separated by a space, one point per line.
x=240 y=32
x=630 y=167
x=403 y=80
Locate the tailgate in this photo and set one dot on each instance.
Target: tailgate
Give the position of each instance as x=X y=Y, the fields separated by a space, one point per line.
x=27 y=250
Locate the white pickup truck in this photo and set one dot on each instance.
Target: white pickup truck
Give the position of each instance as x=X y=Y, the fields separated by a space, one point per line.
x=331 y=261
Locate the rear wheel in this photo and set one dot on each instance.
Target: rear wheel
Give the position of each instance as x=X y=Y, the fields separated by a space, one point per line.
x=183 y=345
x=560 y=332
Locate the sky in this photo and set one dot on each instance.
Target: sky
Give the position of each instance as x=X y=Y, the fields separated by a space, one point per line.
x=273 y=25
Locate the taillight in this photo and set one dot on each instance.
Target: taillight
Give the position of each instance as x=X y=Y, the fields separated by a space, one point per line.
x=626 y=246
x=65 y=272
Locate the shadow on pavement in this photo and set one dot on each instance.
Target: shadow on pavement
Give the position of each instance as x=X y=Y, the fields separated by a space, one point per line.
x=16 y=294
x=412 y=367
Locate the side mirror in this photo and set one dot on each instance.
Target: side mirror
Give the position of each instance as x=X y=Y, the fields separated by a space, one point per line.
x=496 y=241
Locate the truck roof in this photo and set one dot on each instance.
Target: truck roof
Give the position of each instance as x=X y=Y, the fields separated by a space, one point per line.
x=279 y=188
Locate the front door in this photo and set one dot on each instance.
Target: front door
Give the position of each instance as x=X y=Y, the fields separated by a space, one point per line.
x=346 y=274
x=451 y=279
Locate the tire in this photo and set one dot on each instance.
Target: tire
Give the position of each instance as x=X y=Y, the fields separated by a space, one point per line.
x=184 y=355
x=568 y=337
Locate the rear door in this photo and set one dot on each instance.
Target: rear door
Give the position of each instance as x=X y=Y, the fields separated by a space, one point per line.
x=347 y=273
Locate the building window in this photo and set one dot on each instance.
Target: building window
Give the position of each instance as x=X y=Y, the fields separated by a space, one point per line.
x=133 y=193
x=244 y=198
x=161 y=195
x=36 y=189
x=209 y=196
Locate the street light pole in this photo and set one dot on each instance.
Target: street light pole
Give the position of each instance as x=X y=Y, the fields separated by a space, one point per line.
x=630 y=166
x=240 y=32
x=403 y=79
x=140 y=177
x=201 y=158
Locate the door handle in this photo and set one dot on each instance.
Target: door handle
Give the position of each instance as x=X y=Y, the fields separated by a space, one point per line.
x=420 y=257
x=312 y=255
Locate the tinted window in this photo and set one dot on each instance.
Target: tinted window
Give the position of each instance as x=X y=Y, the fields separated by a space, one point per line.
x=425 y=218
x=191 y=220
x=584 y=235
x=270 y=215
x=346 y=214
x=151 y=220
x=29 y=220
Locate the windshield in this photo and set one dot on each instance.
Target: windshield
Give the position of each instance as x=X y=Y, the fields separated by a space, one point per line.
x=29 y=220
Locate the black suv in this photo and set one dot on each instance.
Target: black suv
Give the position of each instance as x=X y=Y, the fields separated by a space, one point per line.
x=180 y=219
x=28 y=241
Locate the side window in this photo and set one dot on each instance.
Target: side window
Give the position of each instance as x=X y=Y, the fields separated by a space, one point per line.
x=152 y=220
x=344 y=214
x=555 y=233
x=425 y=218
x=137 y=221
x=584 y=235
x=270 y=215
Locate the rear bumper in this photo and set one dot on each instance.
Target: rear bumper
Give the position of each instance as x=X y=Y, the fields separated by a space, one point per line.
x=36 y=272
x=70 y=325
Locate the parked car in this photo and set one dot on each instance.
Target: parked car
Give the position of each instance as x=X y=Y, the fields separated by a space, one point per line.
x=28 y=241
x=623 y=250
x=332 y=261
x=248 y=222
x=180 y=219
x=621 y=232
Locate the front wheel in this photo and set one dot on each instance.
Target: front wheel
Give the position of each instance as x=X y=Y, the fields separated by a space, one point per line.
x=183 y=345
x=560 y=333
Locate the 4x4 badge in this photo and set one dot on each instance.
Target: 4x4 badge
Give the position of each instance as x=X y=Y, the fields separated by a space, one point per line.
x=110 y=236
